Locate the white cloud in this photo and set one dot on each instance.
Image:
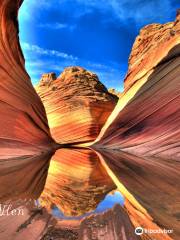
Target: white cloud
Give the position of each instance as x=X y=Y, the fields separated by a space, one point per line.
x=53 y=25
x=57 y=26
x=38 y=50
x=112 y=75
x=141 y=11
x=29 y=7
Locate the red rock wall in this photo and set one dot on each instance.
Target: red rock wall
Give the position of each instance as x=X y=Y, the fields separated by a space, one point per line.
x=23 y=120
x=146 y=120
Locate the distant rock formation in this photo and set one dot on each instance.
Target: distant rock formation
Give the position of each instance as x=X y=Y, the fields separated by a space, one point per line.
x=23 y=120
x=47 y=79
x=77 y=105
x=146 y=120
x=114 y=92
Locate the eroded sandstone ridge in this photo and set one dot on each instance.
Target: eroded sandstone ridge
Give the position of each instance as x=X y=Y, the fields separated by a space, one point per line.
x=77 y=105
x=146 y=120
x=23 y=120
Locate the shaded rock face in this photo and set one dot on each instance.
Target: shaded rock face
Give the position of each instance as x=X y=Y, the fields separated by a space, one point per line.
x=77 y=105
x=146 y=120
x=23 y=120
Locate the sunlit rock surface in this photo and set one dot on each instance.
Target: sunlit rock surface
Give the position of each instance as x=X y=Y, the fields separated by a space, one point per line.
x=146 y=120
x=77 y=105
x=23 y=120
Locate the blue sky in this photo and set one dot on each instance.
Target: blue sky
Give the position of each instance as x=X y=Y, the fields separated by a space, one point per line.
x=95 y=34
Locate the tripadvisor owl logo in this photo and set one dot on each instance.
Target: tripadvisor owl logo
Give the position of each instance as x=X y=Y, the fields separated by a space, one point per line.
x=139 y=231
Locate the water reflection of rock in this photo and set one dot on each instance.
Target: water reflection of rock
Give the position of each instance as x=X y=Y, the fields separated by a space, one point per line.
x=78 y=187
x=76 y=182
x=23 y=177
x=154 y=182
x=22 y=180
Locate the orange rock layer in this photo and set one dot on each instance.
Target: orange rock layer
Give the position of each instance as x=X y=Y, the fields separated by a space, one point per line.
x=77 y=105
x=146 y=120
x=23 y=120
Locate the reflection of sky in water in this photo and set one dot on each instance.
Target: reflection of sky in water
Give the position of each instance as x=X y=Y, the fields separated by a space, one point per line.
x=109 y=201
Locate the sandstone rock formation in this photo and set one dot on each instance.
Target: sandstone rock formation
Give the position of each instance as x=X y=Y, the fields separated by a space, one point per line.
x=115 y=92
x=47 y=79
x=146 y=120
x=77 y=105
